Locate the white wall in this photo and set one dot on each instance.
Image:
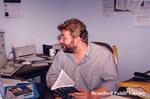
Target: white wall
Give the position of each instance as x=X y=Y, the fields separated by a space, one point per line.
x=37 y=25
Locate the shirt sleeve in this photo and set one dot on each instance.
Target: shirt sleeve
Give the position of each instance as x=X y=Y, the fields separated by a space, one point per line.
x=110 y=73
x=54 y=70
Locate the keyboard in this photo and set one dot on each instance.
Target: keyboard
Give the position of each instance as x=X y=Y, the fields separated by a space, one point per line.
x=10 y=68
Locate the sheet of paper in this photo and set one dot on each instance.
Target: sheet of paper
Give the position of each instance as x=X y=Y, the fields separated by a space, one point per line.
x=63 y=80
x=133 y=5
x=108 y=7
x=142 y=17
x=13 y=10
x=115 y=97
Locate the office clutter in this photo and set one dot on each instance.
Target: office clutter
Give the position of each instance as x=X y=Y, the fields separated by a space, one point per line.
x=141 y=89
x=22 y=56
x=18 y=89
x=141 y=76
x=139 y=85
x=27 y=55
x=10 y=68
x=6 y=68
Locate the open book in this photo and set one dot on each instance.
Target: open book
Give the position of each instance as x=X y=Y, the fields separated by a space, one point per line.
x=63 y=85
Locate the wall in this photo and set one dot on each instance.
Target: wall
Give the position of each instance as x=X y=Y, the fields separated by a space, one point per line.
x=39 y=19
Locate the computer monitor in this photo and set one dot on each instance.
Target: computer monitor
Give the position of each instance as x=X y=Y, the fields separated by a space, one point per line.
x=3 y=59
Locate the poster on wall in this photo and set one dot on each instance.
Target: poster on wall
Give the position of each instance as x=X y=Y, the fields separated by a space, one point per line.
x=12 y=8
x=142 y=16
x=108 y=7
x=133 y=5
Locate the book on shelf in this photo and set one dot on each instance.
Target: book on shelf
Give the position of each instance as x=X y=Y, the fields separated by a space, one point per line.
x=63 y=85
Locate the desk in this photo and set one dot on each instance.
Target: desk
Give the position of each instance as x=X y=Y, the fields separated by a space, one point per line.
x=140 y=80
x=27 y=71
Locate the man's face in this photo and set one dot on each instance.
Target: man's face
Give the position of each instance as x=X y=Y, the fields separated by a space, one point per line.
x=67 y=42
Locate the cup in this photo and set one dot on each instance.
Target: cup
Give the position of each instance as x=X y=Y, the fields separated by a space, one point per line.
x=52 y=52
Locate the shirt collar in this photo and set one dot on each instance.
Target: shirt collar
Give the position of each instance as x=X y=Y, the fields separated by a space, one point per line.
x=88 y=50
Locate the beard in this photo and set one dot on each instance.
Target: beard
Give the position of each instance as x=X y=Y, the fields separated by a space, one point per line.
x=69 y=49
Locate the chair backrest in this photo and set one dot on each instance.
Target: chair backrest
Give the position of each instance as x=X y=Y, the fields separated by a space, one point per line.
x=112 y=49
x=115 y=53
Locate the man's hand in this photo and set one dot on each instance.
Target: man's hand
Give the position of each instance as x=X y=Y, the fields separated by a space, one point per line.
x=83 y=94
x=58 y=97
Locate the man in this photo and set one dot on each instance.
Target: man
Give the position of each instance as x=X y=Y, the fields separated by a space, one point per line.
x=90 y=66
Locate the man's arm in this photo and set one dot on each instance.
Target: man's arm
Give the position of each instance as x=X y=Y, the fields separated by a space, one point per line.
x=53 y=71
x=109 y=74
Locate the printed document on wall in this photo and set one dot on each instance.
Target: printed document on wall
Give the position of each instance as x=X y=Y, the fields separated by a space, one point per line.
x=142 y=17
x=108 y=7
x=133 y=5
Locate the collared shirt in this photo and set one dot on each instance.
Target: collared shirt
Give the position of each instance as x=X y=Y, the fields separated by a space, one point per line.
x=97 y=69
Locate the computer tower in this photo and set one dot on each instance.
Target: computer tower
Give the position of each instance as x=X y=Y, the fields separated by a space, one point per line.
x=2 y=45
x=3 y=57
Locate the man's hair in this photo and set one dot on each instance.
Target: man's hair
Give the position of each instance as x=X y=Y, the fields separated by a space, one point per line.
x=76 y=28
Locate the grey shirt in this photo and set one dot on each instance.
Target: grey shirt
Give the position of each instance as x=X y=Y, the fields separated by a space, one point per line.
x=97 y=69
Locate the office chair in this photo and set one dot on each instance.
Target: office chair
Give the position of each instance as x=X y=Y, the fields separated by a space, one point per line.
x=112 y=49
